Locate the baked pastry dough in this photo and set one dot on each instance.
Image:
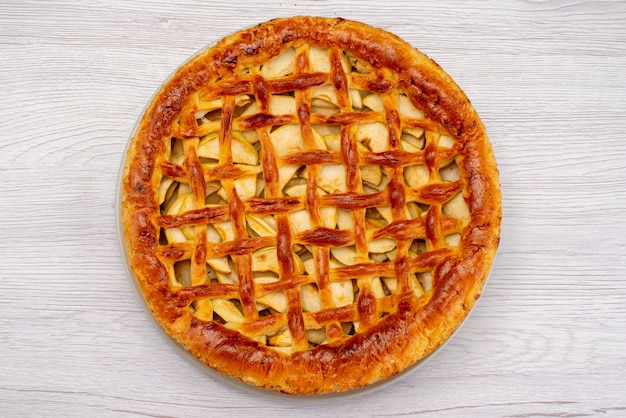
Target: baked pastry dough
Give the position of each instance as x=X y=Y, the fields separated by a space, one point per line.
x=310 y=205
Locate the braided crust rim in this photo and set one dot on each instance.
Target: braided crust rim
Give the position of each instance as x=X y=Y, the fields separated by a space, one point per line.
x=418 y=325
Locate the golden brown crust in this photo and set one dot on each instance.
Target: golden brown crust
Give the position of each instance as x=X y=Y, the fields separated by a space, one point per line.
x=414 y=326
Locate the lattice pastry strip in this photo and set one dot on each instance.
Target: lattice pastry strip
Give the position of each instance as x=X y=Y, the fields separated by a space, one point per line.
x=310 y=194
x=346 y=138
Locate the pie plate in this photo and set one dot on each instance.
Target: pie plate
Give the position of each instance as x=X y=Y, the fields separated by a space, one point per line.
x=309 y=206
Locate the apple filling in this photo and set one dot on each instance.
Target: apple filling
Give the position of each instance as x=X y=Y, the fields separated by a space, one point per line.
x=365 y=237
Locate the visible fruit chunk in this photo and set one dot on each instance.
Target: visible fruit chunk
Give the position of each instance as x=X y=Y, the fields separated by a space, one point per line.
x=457 y=208
x=374 y=102
x=416 y=175
x=310 y=298
x=243 y=152
x=332 y=178
x=342 y=293
x=374 y=135
x=227 y=310
x=275 y=300
x=407 y=109
x=318 y=60
x=281 y=65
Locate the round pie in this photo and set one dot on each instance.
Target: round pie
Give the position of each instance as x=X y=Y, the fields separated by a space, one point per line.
x=310 y=205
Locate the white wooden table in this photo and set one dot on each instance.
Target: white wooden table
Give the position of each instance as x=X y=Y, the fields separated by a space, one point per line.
x=548 y=337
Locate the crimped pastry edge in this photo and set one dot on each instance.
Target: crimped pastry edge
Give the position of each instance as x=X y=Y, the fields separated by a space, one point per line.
x=327 y=368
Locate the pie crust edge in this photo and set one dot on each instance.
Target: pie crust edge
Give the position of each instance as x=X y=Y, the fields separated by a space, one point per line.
x=403 y=337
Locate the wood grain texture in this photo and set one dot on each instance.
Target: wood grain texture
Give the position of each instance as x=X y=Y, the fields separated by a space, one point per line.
x=546 y=339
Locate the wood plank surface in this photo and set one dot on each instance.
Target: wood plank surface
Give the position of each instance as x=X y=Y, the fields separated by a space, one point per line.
x=548 y=337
